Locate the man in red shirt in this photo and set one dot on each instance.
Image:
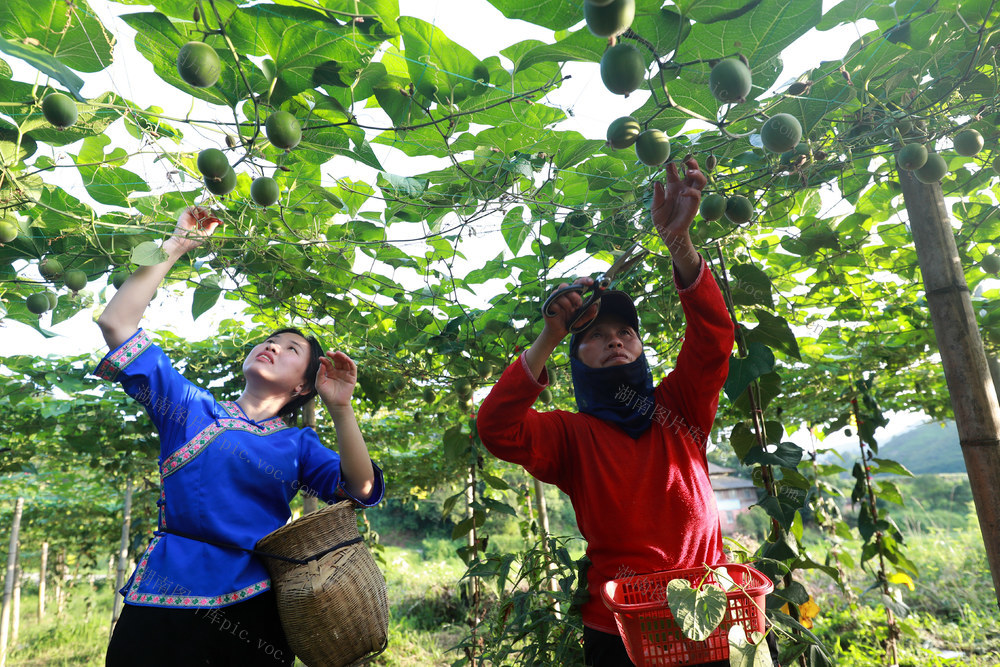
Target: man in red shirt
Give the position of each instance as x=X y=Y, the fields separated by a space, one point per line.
x=632 y=460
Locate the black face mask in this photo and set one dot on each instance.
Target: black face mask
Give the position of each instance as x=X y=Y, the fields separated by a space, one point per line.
x=622 y=395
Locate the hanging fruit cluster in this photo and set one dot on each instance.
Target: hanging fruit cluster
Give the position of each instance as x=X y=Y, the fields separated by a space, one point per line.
x=623 y=71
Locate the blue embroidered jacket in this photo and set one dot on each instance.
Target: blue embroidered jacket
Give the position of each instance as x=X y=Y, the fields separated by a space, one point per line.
x=223 y=478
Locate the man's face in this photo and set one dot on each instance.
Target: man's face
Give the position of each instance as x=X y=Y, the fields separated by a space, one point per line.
x=608 y=342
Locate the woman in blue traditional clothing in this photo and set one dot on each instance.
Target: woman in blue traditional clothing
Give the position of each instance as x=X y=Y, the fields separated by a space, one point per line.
x=228 y=470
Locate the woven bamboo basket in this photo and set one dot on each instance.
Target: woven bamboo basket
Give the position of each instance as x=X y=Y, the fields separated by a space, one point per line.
x=334 y=609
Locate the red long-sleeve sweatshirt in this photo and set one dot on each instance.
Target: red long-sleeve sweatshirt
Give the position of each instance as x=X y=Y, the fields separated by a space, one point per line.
x=644 y=504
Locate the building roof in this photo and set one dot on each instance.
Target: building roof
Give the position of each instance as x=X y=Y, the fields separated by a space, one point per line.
x=730 y=482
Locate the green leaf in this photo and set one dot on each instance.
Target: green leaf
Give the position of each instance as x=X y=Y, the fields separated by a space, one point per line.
x=206 y=295
x=497 y=506
x=159 y=39
x=773 y=331
x=578 y=46
x=148 y=253
x=456 y=444
x=69 y=31
x=759 y=361
x=514 y=229
x=742 y=440
x=750 y=286
x=494 y=482
x=784 y=454
x=699 y=611
x=746 y=653
x=780 y=510
x=105 y=180
x=769 y=388
x=551 y=15
x=440 y=69
x=463 y=527
x=890 y=467
x=46 y=64
x=308 y=49
x=759 y=35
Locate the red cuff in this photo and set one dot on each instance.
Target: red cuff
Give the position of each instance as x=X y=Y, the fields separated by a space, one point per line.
x=697 y=281
x=541 y=382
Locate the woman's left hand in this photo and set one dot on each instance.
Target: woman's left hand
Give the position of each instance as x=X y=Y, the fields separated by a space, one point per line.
x=336 y=378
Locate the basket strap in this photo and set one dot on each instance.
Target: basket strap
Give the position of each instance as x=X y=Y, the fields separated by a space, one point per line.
x=264 y=554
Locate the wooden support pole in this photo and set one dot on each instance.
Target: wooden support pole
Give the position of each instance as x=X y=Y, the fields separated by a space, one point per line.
x=122 y=556
x=8 y=580
x=41 y=581
x=15 y=609
x=973 y=396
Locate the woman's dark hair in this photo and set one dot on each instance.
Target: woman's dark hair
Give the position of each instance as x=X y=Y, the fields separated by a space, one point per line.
x=315 y=354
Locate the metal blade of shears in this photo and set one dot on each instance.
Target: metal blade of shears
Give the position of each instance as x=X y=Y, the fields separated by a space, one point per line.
x=622 y=265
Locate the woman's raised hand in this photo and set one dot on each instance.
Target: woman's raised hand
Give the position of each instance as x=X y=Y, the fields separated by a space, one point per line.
x=336 y=378
x=194 y=225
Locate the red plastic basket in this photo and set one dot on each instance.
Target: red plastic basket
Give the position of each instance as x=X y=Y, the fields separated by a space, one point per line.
x=652 y=637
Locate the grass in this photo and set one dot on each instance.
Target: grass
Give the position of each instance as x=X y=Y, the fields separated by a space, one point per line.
x=951 y=620
x=425 y=619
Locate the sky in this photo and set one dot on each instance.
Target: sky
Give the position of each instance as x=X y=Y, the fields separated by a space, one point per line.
x=591 y=107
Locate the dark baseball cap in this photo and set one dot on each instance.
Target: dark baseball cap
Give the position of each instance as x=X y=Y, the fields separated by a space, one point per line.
x=615 y=303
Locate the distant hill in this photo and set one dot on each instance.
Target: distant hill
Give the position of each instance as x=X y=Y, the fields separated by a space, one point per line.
x=928 y=448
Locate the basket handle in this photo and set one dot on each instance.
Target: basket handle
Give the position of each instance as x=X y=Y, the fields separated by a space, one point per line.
x=264 y=554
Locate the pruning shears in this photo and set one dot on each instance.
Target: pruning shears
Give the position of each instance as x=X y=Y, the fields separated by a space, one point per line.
x=602 y=283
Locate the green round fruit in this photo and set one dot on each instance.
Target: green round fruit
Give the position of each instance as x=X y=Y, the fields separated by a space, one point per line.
x=118 y=278
x=428 y=395
x=788 y=157
x=283 y=130
x=578 y=219
x=264 y=191
x=37 y=303
x=484 y=370
x=622 y=69
x=968 y=142
x=75 y=279
x=546 y=395
x=610 y=19
x=911 y=156
x=224 y=185
x=199 y=64
x=59 y=109
x=933 y=170
x=50 y=268
x=730 y=81
x=622 y=132
x=213 y=164
x=652 y=148
x=902 y=123
x=990 y=264
x=53 y=299
x=739 y=209
x=713 y=206
x=464 y=389
x=782 y=132
x=8 y=231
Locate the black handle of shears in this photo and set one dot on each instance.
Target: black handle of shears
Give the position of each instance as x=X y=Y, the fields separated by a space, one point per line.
x=573 y=325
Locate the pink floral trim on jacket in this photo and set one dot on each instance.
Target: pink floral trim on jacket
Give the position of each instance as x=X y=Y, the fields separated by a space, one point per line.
x=173 y=595
x=118 y=360
x=200 y=442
